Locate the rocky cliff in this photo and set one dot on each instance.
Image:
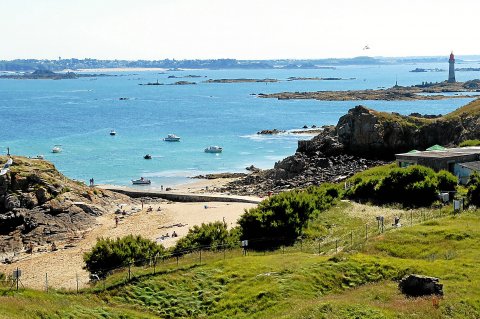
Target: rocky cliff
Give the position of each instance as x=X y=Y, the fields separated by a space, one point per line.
x=371 y=134
x=40 y=205
x=361 y=139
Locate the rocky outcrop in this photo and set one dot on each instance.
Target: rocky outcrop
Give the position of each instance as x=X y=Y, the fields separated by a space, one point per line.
x=362 y=138
x=39 y=205
x=418 y=285
x=395 y=93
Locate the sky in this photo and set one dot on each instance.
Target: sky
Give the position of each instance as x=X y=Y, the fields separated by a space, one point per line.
x=241 y=29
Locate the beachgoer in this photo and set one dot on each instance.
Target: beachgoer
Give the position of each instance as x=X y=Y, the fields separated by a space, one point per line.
x=159 y=209
x=54 y=247
x=174 y=234
x=116 y=221
x=149 y=209
x=161 y=187
x=30 y=248
x=142 y=204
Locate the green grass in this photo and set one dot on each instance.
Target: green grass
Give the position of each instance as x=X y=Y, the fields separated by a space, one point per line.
x=355 y=283
x=469 y=143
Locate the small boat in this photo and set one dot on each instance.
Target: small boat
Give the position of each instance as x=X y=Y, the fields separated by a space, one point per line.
x=213 y=149
x=41 y=157
x=113 y=133
x=172 y=138
x=56 y=149
x=147 y=156
x=141 y=181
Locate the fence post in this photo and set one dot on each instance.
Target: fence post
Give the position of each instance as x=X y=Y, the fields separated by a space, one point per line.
x=46 y=282
x=366 y=231
x=200 y=256
x=411 y=218
x=129 y=271
x=351 y=238
x=336 y=245
x=154 y=264
x=76 y=275
x=177 y=260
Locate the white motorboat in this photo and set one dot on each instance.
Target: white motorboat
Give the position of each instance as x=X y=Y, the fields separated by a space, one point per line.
x=213 y=149
x=141 y=181
x=56 y=149
x=113 y=133
x=172 y=138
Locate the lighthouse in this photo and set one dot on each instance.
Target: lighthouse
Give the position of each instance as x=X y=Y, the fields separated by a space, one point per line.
x=451 y=69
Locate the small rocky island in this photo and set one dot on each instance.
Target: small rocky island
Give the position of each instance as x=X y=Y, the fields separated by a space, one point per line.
x=395 y=93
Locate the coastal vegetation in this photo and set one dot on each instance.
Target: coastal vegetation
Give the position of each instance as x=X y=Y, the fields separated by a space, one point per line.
x=281 y=219
x=209 y=236
x=412 y=186
x=473 y=186
x=109 y=254
x=356 y=283
x=470 y=143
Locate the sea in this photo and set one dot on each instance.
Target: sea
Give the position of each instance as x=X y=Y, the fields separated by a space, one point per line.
x=78 y=115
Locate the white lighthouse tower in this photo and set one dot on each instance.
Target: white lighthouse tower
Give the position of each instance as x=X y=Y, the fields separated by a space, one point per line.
x=451 y=69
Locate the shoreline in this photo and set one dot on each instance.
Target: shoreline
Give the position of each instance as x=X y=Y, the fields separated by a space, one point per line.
x=64 y=265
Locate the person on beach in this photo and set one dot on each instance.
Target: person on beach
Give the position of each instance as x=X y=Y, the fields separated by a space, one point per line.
x=54 y=246
x=116 y=221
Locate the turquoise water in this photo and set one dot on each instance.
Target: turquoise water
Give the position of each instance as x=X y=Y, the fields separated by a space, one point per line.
x=79 y=114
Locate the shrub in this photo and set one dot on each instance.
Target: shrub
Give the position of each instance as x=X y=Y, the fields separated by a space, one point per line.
x=470 y=143
x=446 y=181
x=108 y=254
x=473 y=186
x=2 y=276
x=281 y=218
x=412 y=186
x=210 y=236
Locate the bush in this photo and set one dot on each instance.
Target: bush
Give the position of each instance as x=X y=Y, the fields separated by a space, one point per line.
x=470 y=143
x=2 y=276
x=108 y=254
x=446 y=181
x=211 y=236
x=473 y=186
x=412 y=186
x=281 y=218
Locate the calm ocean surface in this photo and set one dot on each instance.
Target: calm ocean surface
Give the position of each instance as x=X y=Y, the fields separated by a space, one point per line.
x=79 y=114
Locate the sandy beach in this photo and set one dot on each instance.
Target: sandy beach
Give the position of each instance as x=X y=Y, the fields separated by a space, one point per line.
x=62 y=267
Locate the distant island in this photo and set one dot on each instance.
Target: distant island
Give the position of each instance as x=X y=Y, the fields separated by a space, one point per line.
x=395 y=93
x=294 y=78
x=239 y=80
x=212 y=64
x=48 y=75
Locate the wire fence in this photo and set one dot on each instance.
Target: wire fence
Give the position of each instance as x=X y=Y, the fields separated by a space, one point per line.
x=352 y=239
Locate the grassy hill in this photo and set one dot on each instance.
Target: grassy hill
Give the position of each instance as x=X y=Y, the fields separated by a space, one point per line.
x=359 y=283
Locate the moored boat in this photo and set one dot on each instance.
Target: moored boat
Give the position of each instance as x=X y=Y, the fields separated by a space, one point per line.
x=141 y=181
x=113 y=133
x=147 y=156
x=213 y=149
x=172 y=138
x=56 y=149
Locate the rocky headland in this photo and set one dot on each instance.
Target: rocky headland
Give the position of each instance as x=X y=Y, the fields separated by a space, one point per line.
x=361 y=139
x=395 y=93
x=39 y=205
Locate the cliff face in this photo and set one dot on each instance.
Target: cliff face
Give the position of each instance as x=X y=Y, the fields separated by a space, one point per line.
x=40 y=205
x=371 y=134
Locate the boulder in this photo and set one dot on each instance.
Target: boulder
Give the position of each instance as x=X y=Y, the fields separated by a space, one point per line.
x=418 y=285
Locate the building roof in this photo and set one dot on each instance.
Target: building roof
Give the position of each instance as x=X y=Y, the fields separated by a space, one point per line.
x=474 y=166
x=448 y=152
x=436 y=147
